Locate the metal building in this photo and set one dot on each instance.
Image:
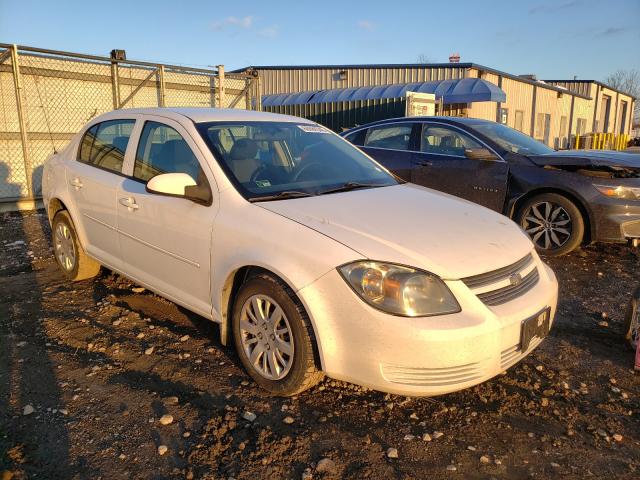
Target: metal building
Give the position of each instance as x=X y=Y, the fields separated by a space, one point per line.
x=554 y=111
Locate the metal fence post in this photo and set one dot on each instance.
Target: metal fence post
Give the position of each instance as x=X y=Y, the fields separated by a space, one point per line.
x=162 y=91
x=115 y=85
x=221 y=91
x=258 y=93
x=17 y=81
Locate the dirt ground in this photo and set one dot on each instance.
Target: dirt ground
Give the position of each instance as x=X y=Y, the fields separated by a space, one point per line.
x=82 y=394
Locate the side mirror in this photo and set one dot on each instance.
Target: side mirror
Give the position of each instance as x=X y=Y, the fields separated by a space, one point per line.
x=480 y=154
x=180 y=185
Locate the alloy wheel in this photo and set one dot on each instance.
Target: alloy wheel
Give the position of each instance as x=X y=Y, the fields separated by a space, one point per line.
x=65 y=250
x=266 y=337
x=548 y=224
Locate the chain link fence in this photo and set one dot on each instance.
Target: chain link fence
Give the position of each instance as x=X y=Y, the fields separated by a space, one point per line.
x=46 y=96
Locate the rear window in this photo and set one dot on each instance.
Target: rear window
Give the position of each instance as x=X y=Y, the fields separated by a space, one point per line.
x=104 y=144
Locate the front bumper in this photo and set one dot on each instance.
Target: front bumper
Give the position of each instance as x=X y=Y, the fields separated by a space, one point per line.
x=425 y=355
x=616 y=220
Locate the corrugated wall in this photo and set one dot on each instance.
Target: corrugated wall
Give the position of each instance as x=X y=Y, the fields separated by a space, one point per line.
x=304 y=79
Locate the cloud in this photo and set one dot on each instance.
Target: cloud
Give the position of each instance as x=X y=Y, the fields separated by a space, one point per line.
x=269 y=32
x=244 y=22
x=613 y=31
x=366 y=24
x=554 y=7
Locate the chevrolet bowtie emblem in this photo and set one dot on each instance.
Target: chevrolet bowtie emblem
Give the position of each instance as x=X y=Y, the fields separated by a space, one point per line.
x=515 y=279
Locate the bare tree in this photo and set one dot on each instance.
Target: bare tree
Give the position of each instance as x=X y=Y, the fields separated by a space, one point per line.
x=627 y=81
x=423 y=58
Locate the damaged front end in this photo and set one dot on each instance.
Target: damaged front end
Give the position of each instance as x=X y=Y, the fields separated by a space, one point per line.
x=598 y=164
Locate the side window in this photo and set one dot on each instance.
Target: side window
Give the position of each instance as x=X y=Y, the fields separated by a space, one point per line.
x=446 y=141
x=395 y=137
x=104 y=144
x=163 y=150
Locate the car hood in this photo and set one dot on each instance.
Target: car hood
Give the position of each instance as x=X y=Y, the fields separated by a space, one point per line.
x=588 y=158
x=412 y=225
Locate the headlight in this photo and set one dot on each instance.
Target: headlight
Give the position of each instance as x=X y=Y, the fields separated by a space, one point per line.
x=399 y=290
x=628 y=193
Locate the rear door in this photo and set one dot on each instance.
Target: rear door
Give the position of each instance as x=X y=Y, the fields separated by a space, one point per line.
x=93 y=180
x=390 y=144
x=441 y=164
x=166 y=240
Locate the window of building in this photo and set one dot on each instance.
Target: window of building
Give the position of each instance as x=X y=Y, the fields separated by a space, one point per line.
x=446 y=141
x=104 y=144
x=562 y=138
x=581 y=126
x=395 y=136
x=538 y=132
x=163 y=150
x=519 y=120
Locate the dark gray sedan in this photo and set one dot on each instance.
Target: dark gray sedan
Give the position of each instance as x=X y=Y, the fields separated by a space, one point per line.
x=561 y=198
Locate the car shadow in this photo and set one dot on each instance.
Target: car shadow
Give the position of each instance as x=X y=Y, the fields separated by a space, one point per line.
x=31 y=399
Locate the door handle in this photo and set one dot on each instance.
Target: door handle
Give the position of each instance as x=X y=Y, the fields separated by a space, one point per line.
x=76 y=183
x=425 y=163
x=129 y=202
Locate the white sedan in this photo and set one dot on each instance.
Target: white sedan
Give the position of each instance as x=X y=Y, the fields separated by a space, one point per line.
x=312 y=258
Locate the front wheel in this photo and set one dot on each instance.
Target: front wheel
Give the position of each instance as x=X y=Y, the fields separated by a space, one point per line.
x=553 y=222
x=273 y=337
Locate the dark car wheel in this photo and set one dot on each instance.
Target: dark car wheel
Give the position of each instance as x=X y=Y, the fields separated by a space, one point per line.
x=273 y=337
x=553 y=222
x=632 y=328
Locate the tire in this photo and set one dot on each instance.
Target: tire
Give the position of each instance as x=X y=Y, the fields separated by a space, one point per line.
x=69 y=254
x=553 y=222
x=292 y=369
x=632 y=321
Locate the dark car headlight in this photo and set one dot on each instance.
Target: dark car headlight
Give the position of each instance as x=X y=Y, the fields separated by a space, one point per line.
x=624 y=192
x=399 y=290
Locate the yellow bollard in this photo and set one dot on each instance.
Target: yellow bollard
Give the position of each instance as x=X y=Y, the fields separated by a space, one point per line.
x=577 y=146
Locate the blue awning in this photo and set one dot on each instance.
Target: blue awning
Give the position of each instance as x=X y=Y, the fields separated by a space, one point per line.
x=463 y=90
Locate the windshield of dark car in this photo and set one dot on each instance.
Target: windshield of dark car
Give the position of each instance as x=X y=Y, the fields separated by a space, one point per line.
x=512 y=140
x=267 y=158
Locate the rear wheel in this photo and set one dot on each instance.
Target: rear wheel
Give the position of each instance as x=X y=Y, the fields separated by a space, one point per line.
x=273 y=337
x=74 y=263
x=553 y=222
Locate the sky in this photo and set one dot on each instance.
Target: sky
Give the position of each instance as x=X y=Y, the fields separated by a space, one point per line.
x=552 y=39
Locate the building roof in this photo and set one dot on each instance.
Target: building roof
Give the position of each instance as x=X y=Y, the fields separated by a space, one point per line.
x=597 y=82
x=477 y=66
x=462 y=90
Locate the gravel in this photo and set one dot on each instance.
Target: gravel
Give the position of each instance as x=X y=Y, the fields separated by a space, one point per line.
x=93 y=404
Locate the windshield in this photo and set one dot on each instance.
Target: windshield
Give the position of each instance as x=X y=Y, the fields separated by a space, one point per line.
x=512 y=140
x=284 y=159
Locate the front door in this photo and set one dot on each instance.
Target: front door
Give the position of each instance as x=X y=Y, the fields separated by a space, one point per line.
x=441 y=164
x=165 y=240
x=94 y=179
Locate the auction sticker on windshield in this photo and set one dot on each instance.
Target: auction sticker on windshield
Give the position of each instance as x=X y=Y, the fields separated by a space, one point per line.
x=313 y=129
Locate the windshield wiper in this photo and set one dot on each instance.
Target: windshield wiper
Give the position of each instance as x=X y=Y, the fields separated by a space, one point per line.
x=280 y=196
x=350 y=186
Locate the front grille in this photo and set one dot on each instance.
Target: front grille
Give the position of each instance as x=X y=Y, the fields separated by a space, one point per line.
x=497 y=275
x=504 y=294
x=505 y=288
x=513 y=355
x=433 y=377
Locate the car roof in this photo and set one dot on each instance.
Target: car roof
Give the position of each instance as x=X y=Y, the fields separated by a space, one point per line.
x=199 y=115
x=452 y=120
